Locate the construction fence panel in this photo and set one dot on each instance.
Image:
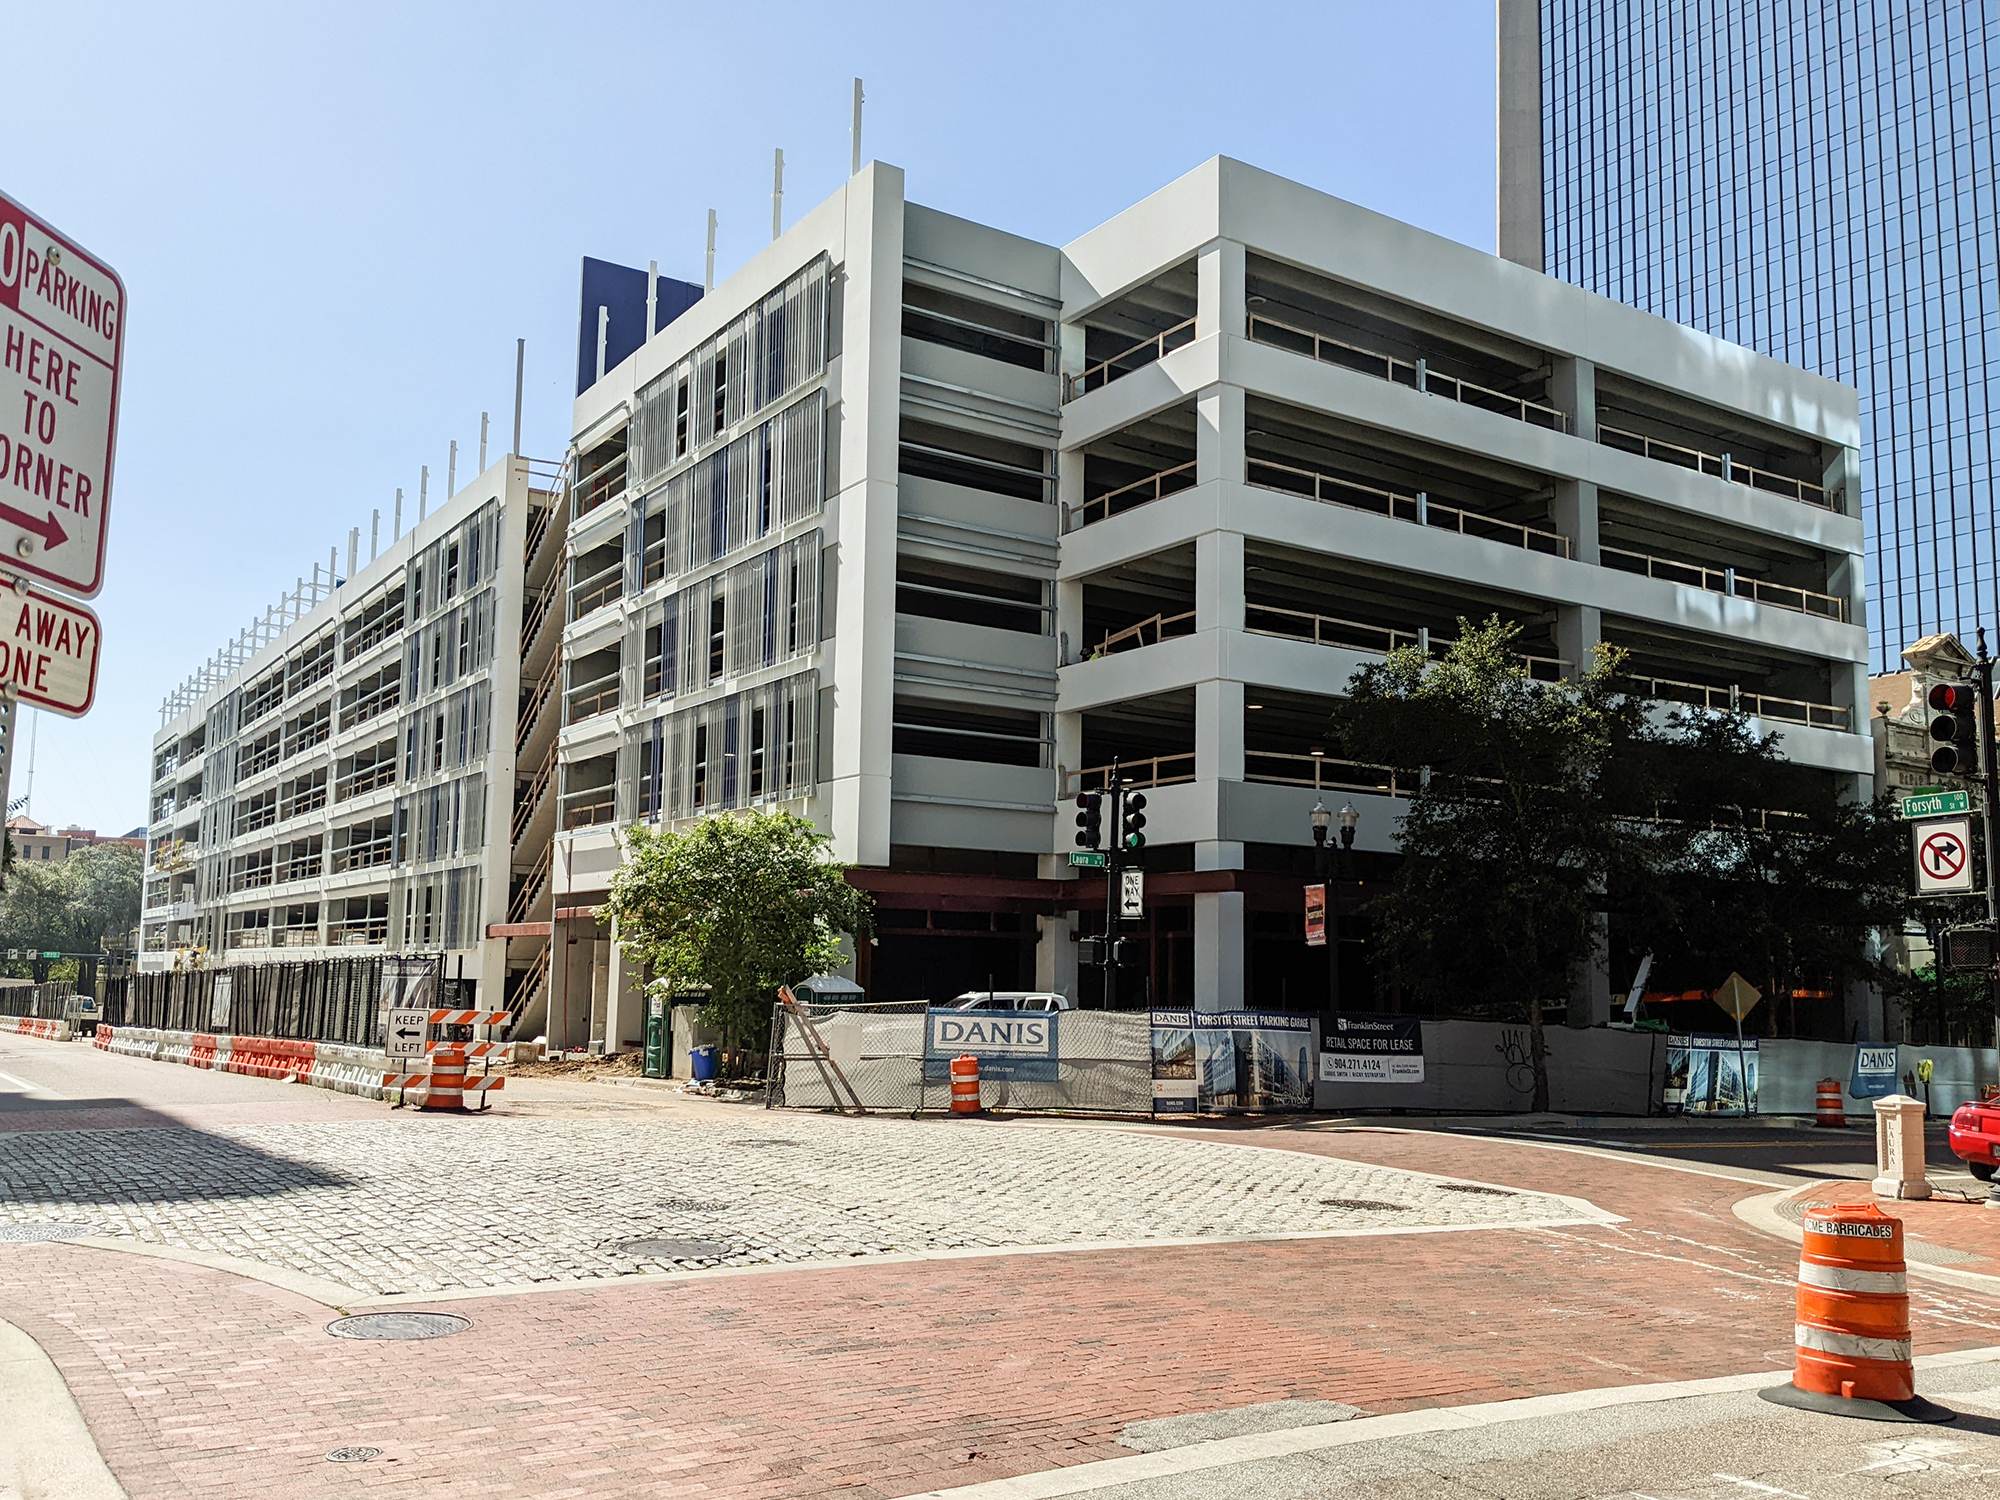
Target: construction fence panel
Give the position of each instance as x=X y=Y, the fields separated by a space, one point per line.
x=324 y=1000
x=1103 y=1063
x=43 y=1000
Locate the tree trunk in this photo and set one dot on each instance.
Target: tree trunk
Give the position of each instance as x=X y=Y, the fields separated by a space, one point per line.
x=1538 y=1053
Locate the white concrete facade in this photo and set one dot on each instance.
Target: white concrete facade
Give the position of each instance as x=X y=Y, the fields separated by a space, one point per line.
x=1157 y=494
x=340 y=784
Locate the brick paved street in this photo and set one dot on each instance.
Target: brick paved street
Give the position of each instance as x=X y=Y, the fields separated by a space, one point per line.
x=883 y=1378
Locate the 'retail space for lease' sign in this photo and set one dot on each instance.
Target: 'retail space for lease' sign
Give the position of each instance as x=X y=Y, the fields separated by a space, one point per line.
x=62 y=332
x=50 y=651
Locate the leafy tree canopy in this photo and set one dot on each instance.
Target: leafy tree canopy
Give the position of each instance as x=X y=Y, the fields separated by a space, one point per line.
x=736 y=904
x=73 y=906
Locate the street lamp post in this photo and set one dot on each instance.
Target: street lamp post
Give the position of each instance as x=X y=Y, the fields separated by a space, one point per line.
x=1322 y=821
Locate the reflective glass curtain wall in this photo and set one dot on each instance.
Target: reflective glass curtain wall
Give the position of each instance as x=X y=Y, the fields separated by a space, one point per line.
x=1814 y=179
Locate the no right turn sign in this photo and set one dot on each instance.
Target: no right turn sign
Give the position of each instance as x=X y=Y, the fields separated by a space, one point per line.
x=1944 y=856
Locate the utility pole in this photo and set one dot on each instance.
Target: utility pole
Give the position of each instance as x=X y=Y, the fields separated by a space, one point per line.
x=1989 y=787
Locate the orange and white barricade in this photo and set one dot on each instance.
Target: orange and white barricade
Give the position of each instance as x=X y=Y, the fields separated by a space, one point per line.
x=446 y=1079
x=1851 y=1354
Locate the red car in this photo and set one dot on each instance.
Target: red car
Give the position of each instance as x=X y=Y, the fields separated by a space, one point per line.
x=1975 y=1137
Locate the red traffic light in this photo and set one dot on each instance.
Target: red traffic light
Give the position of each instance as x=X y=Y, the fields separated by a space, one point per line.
x=1950 y=697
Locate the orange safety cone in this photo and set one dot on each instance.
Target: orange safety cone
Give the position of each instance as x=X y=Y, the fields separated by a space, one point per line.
x=1830 y=1110
x=445 y=1088
x=1851 y=1340
x=965 y=1085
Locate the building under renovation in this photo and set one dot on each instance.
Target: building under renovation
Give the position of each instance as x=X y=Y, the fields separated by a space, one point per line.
x=915 y=526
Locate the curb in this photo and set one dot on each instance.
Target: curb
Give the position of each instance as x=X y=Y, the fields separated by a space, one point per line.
x=1080 y=1479
x=46 y=1450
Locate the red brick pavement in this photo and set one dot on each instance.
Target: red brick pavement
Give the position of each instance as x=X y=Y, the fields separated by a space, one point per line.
x=1949 y=1220
x=881 y=1380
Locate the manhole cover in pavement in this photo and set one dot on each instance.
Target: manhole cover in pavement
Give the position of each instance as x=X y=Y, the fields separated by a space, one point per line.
x=416 y=1325
x=1368 y=1203
x=1474 y=1187
x=690 y=1206
x=764 y=1141
x=353 y=1455
x=45 y=1231
x=672 y=1249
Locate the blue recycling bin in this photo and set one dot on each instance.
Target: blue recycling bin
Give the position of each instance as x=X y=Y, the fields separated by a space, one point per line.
x=703 y=1059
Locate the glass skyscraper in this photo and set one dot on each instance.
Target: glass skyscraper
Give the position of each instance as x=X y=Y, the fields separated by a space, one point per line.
x=1811 y=178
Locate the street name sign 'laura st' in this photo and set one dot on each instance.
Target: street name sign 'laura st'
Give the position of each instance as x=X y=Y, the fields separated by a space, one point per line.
x=62 y=335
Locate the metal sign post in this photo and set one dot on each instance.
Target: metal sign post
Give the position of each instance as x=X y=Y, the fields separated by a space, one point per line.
x=1739 y=996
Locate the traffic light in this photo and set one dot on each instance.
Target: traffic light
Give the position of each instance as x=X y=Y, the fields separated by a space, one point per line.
x=1954 y=730
x=1089 y=819
x=1132 y=814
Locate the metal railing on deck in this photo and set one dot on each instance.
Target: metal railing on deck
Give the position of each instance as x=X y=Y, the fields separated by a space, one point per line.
x=1719 y=466
x=600 y=808
x=1288 y=768
x=1148 y=632
x=1421 y=509
x=538 y=700
x=599 y=589
x=1416 y=374
x=586 y=701
x=1727 y=581
x=1139 y=492
x=597 y=487
x=1760 y=705
x=1380 y=640
x=1125 y=361
x=531 y=888
x=524 y=814
x=1158 y=770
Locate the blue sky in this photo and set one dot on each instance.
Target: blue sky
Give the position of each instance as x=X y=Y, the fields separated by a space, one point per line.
x=334 y=221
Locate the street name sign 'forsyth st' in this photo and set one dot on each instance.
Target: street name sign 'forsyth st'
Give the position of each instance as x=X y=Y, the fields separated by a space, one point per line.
x=48 y=651
x=62 y=335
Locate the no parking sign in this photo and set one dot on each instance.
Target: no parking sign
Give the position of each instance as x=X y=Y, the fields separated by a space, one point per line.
x=1943 y=849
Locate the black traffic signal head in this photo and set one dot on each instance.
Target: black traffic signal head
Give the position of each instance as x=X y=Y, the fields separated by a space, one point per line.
x=1090 y=951
x=1089 y=819
x=1132 y=812
x=1128 y=952
x=1954 y=729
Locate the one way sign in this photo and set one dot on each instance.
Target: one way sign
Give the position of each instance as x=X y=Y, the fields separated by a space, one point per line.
x=407 y=1034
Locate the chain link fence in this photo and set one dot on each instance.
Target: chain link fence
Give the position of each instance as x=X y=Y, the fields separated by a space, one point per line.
x=1102 y=1061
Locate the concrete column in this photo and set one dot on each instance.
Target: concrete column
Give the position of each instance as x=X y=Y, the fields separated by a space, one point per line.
x=1218 y=731
x=1573 y=388
x=1575 y=516
x=1579 y=629
x=1219 y=925
x=1218 y=580
x=1218 y=435
x=625 y=1013
x=600 y=986
x=1590 y=1000
x=1055 y=951
x=1219 y=306
x=1069 y=484
x=862 y=520
x=1862 y=1012
x=1519 y=25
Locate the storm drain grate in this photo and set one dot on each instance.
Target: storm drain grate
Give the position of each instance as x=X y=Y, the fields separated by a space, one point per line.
x=690 y=1206
x=413 y=1325
x=767 y=1140
x=353 y=1455
x=1474 y=1187
x=45 y=1231
x=1368 y=1203
x=672 y=1249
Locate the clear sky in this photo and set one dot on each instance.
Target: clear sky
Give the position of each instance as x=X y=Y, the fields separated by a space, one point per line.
x=333 y=221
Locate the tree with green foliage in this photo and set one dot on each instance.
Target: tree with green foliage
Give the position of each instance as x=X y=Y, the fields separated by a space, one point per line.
x=73 y=906
x=1756 y=864
x=1513 y=831
x=736 y=905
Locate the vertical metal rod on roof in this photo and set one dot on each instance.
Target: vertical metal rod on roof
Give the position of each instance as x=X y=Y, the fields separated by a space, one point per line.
x=375 y=534
x=423 y=492
x=332 y=565
x=652 y=298
x=399 y=513
x=854 y=155
x=777 y=192
x=520 y=364
x=451 y=472
x=353 y=550
x=603 y=336
x=482 y=442
x=708 y=275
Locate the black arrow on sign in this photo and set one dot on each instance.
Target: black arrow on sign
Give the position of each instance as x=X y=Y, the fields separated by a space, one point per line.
x=405 y=1031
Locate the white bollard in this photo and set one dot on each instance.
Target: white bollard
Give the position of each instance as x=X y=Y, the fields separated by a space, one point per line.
x=1899 y=1148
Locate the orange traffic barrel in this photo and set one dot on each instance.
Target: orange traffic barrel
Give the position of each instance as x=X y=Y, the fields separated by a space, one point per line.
x=1851 y=1339
x=445 y=1088
x=1830 y=1109
x=965 y=1085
